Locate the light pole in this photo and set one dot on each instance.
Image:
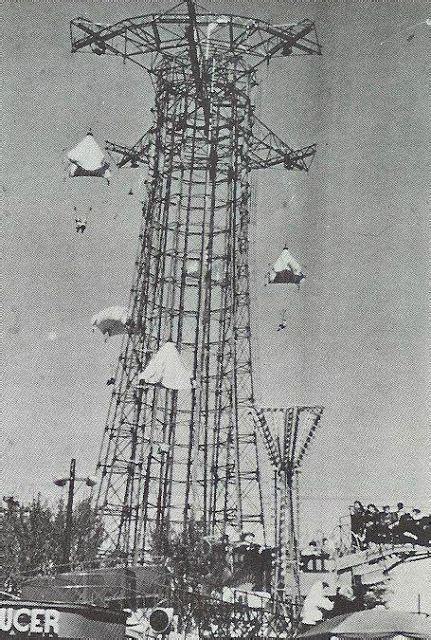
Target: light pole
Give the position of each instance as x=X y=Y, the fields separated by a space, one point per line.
x=62 y=482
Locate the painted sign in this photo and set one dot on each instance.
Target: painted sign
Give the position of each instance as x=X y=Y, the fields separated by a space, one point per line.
x=25 y=620
x=58 y=620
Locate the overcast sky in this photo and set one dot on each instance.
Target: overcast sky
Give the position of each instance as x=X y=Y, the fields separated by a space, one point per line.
x=356 y=335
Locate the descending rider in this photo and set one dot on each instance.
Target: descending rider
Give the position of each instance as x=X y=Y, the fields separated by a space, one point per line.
x=282 y=324
x=80 y=223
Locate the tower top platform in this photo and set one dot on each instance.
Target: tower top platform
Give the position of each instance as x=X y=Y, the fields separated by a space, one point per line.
x=168 y=34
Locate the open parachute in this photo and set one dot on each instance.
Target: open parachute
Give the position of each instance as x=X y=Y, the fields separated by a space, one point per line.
x=111 y=321
x=285 y=270
x=88 y=159
x=167 y=369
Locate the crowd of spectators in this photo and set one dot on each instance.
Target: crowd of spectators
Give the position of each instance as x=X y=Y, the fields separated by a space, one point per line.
x=369 y=526
x=386 y=525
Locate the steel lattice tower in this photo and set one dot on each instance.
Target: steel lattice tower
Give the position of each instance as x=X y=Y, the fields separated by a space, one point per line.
x=171 y=456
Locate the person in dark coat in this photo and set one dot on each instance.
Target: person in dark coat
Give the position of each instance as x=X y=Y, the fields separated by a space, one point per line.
x=344 y=601
x=357 y=524
x=372 y=524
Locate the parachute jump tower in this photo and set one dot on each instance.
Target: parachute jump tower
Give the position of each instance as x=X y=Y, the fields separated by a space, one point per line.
x=172 y=456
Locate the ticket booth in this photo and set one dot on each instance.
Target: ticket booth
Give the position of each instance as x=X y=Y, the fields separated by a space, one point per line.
x=42 y=620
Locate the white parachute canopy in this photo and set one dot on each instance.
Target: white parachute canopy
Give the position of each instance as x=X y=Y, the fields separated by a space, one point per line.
x=166 y=368
x=88 y=159
x=111 y=321
x=286 y=269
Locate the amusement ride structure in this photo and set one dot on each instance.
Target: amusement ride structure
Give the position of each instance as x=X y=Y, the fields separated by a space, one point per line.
x=187 y=452
x=182 y=439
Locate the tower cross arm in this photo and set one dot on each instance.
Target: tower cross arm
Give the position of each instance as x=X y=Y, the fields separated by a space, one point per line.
x=268 y=150
x=125 y=39
x=299 y=38
x=139 y=153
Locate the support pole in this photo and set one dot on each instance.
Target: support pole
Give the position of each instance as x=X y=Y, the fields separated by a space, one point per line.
x=69 y=515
